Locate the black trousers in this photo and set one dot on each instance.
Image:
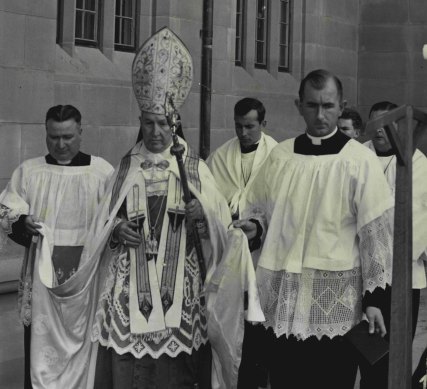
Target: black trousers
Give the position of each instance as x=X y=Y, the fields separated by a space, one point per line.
x=312 y=363
x=27 y=352
x=114 y=371
x=420 y=371
x=253 y=372
x=376 y=376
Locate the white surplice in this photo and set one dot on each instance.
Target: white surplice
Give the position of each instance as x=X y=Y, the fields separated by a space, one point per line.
x=226 y=165
x=63 y=200
x=419 y=209
x=328 y=238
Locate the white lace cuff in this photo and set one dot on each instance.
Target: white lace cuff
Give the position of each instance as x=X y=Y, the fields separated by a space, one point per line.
x=376 y=252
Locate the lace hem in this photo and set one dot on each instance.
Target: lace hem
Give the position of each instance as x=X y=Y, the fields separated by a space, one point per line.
x=112 y=321
x=313 y=303
x=139 y=348
x=376 y=252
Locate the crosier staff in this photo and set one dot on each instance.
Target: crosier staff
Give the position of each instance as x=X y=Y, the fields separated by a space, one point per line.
x=177 y=149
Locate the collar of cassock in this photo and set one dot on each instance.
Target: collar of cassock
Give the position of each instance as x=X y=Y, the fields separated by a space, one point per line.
x=248 y=149
x=317 y=140
x=387 y=153
x=81 y=159
x=329 y=144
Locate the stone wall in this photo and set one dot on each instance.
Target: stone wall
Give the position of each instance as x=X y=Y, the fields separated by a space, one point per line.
x=391 y=66
x=332 y=41
x=36 y=73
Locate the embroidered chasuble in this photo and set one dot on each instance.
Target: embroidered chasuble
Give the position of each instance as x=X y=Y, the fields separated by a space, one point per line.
x=419 y=206
x=235 y=171
x=155 y=304
x=323 y=205
x=162 y=324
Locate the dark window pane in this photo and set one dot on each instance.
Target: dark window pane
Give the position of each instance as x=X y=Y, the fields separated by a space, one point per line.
x=283 y=33
x=127 y=32
x=283 y=56
x=260 y=53
x=79 y=24
x=118 y=4
x=260 y=30
x=287 y=13
x=117 y=31
x=79 y=4
x=260 y=8
x=89 y=26
x=237 y=53
x=127 y=8
x=238 y=26
x=90 y=5
x=283 y=7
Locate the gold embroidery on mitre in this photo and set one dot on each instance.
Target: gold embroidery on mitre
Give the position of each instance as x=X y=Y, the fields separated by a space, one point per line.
x=162 y=67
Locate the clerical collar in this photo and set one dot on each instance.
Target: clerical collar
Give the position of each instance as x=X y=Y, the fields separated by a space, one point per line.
x=329 y=144
x=317 y=140
x=81 y=159
x=387 y=153
x=248 y=149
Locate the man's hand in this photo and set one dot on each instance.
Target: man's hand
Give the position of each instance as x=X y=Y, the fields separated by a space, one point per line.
x=248 y=227
x=31 y=226
x=125 y=233
x=376 y=321
x=194 y=211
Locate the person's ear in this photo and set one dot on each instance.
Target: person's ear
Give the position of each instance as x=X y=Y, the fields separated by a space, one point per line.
x=343 y=104
x=298 y=104
x=263 y=123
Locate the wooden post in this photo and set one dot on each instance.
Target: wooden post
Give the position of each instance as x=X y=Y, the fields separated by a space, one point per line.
x=400 y=362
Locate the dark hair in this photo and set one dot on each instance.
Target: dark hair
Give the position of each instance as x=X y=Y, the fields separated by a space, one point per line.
x=382 y=106
x=247 y=104
x=349 y=113
x=318 y=79
x=61 y=113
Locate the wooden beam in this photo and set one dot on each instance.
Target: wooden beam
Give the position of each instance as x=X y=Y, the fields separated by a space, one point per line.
x=400 y=358
x=420 y=130
x=393 y=116
x=419 y=115
x=396 y=143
